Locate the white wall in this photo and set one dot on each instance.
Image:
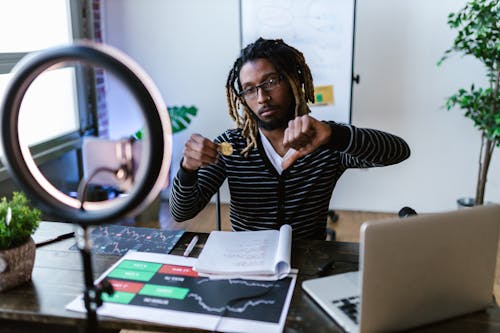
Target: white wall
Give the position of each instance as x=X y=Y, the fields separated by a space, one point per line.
x=402 y=90
x=189 y=46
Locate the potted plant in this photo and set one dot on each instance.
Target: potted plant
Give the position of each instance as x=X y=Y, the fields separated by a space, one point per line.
x=18 y=221
x=180 y=118
x=478 y=35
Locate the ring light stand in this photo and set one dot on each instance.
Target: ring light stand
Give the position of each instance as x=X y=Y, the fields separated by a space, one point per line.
x=149 y=179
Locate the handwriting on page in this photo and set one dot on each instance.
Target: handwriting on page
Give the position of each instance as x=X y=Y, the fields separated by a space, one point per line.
x=252 y=253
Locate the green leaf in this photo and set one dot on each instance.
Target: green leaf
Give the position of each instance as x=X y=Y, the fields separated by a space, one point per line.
x=181 y=117
x=478 y=35
x=477 y=31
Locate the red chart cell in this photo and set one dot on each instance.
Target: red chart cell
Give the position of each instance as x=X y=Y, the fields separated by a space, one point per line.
x=178 y=270
x=126 y=286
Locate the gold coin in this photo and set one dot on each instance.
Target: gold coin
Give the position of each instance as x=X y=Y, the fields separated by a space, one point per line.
x=225 y=148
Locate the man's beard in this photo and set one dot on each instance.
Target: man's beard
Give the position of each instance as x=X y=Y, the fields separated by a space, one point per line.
x=274 y=124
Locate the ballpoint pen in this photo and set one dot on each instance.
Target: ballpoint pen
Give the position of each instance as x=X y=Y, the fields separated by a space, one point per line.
x=56 y=239
x=190 y=247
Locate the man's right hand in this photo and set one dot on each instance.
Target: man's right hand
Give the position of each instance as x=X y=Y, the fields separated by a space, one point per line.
x=199 y=151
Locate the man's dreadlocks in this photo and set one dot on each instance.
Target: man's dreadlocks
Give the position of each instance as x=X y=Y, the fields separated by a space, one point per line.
x=289 y=62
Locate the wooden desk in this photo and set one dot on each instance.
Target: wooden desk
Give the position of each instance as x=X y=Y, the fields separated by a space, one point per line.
x=58 y=279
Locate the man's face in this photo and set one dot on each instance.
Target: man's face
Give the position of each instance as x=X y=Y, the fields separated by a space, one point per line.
x=272 y=109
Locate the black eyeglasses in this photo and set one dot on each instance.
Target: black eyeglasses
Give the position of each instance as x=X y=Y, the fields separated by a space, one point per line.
x=268 y=85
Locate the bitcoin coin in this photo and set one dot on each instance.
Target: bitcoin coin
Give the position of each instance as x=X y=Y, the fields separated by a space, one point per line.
x=226 y=149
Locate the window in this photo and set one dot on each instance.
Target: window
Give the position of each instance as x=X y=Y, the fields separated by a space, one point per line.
x=51 y=103
x=34 y=25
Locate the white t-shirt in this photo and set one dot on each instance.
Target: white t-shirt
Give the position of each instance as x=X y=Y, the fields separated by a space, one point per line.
x=273 y=156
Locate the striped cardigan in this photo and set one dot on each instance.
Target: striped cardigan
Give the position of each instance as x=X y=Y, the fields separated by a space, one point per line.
x=263 y=199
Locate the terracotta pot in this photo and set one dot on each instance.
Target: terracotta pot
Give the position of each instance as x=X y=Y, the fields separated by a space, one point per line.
x=16 y=265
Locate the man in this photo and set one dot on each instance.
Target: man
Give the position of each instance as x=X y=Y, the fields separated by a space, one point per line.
x=284 y=164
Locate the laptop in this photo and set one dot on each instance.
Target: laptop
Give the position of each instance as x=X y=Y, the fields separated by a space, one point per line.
x=415 y=271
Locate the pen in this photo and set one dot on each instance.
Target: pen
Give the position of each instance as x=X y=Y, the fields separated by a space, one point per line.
x=190 y=247
x=56 y=239
x=326 y=268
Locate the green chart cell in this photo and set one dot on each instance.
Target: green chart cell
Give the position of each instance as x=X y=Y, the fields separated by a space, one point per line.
x=139 y=265
x=118 y=297
x=128 y=274
x=164 y=291
x=135 y=270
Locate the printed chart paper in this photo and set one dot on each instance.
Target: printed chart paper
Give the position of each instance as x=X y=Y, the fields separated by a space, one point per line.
x=119 y=239
x=165 y=289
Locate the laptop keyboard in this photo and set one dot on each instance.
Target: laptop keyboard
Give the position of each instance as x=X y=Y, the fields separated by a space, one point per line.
x=350 y=306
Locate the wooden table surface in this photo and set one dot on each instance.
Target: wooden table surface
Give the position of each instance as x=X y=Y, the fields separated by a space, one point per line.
x=58 y=279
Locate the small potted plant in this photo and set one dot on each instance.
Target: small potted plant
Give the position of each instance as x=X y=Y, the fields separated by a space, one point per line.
x=18 y=221
x=478 y=35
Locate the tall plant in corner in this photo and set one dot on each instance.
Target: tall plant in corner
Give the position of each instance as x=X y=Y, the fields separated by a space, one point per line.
x=478 y=27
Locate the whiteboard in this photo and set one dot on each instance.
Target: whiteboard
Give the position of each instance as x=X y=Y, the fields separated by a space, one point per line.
x=323 y=30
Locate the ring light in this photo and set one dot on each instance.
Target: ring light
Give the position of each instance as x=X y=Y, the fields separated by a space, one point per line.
x=156 y=148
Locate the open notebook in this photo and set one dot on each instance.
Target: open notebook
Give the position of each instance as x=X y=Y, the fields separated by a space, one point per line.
x=261 y=254
x=415 y=271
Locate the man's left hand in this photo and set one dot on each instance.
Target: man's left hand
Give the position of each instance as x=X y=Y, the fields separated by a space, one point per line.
x=304 y=134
